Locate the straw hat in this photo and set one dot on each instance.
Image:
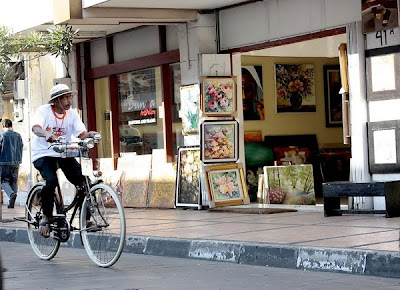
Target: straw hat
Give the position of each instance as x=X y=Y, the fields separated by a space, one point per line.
x=60 y=90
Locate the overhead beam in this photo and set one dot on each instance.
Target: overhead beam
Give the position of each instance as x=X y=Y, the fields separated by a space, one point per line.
x=119 y=15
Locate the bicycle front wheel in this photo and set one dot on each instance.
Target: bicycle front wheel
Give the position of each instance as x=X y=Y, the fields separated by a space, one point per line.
x=44 y=248
x=102 y=222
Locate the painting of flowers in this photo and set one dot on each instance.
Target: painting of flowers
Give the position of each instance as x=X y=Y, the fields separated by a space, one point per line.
x=218 y=96
x=188 y=177
x=295 y=88
x=292 y=184
x=190 y=109
x=219 y=141
x=226 y=185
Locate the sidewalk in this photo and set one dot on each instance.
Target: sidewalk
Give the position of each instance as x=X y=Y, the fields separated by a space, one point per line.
x=360 y=244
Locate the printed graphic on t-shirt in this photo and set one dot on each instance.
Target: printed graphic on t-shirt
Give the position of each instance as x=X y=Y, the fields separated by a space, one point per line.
x=58 y=131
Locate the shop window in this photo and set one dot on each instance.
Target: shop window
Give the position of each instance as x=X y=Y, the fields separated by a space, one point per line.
x=140 y=111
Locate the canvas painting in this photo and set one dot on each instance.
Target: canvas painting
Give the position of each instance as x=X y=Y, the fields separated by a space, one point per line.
x=188 y=177
x=190 y=109
x=134 y=179
x=295 y=88
x=293 y=184
x=218 y=96
x=219 y=141
x=161 y=193
x=252 y=93
x=226 y=185
x=333 y=99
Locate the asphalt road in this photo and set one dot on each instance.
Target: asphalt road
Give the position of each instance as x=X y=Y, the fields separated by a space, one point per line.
x=72 y=269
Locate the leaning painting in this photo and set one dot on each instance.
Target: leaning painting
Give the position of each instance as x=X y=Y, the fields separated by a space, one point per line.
x=295 y=88
x=190 y=109
x=187 y=190
x=226 y=185
x=292 y=184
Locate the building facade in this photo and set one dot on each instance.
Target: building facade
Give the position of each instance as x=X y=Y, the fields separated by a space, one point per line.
x=130 y=62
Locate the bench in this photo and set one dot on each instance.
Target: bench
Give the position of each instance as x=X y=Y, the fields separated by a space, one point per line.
x=333 y=191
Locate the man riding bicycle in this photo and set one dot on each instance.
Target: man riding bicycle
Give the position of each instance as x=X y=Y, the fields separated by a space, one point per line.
x=51 y=121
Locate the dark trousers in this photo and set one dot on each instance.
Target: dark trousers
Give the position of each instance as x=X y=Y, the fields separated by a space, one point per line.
x=47 y=167
x=9 y=178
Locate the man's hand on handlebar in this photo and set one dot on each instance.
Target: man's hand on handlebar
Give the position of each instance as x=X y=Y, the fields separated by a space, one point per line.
x=90 y=134
x=50 y=137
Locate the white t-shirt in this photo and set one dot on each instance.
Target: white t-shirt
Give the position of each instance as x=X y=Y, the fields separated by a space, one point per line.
x=66 y=125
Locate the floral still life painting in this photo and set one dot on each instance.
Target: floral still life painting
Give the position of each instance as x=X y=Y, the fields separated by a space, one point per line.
x=226 y=185
x=219 y=141
x=292 y=184
x=188 y=177
x=190 y=109
x=295 y=88
x=218 y=96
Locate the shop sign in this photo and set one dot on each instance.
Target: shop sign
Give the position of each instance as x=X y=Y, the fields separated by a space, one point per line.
x=383 y=38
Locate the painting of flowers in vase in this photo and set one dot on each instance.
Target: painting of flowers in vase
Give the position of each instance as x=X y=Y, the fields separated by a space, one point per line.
x=295 y=88
x=292 y=184
x=226 y=185
x=219 y=141
x=218 y=96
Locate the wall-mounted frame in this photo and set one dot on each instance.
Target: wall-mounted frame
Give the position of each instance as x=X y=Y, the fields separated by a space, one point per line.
x=190 y=108
x=226 y=185
x=384 y=146
x=218 y=96
x=252 y=93
x=187 y=190
x=383 y=73
x=295 y=88
x=333 y=99
x=219 y=141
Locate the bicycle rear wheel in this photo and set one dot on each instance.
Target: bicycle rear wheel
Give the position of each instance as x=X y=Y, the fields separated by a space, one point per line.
x=44 y=248
x=102 y=222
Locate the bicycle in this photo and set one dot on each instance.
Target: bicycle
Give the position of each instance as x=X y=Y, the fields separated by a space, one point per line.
x=102 y=225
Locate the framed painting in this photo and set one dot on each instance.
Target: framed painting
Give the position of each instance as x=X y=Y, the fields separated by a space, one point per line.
x=219 y=141
x=218 y=96
x=296 y=150
x=382 y=74
x=187 y=192
x=190 y=109
x=292 y=184
x=384 y=146
x=295 y=88
x=333 y=99
x=253 y=95
x=226 y=185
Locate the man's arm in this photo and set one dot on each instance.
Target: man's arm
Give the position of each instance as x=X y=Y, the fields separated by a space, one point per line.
x=89 y=134
x=40 y=132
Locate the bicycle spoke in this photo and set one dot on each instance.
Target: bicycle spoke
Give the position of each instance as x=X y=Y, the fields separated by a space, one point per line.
x=104 y=240
x=45 y=248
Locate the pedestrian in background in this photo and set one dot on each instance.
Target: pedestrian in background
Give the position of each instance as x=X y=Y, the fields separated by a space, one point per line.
x=10 y=158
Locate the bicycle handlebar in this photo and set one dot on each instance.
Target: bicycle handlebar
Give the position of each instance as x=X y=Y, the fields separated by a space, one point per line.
x=74 y=147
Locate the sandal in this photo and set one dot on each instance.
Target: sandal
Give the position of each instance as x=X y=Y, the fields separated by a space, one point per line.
x=43 y=233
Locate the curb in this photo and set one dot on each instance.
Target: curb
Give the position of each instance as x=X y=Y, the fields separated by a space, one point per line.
x=372 y=263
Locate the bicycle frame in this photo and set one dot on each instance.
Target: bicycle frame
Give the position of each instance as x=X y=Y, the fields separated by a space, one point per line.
x=97 y=221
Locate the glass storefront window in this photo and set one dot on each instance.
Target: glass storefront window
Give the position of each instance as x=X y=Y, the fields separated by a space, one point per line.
x=140 y=111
